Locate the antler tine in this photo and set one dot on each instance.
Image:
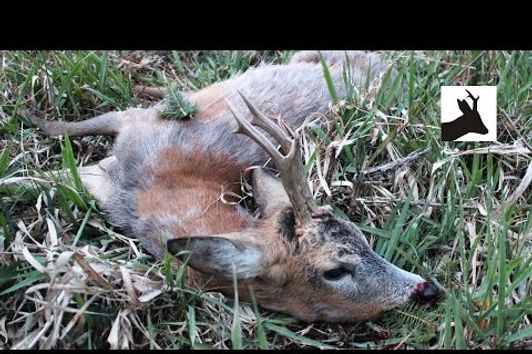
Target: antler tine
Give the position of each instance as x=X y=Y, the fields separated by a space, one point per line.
x=290 y=166
x=471 y=95
x=245 y=127
x=260 y=120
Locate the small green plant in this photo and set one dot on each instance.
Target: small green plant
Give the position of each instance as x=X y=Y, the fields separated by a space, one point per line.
x=178 y=106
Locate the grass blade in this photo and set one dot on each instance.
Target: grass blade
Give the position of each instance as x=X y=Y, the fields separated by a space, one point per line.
x=236 y=328
x=29 y=278
x=525 y=333
x=262 y=341
x=285 y=332
x=447 y=329
x=501 y=285
x=192 y=325
x=69 y=161
x=328 y=80
x=4 y=160
x=458 y=326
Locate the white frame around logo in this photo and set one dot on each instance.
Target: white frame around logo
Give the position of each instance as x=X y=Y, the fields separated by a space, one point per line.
x=487 y=108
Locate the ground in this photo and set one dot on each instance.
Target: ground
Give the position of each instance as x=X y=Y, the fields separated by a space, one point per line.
x=458 y=213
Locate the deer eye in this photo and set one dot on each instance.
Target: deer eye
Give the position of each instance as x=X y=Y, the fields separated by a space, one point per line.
x=336 y=273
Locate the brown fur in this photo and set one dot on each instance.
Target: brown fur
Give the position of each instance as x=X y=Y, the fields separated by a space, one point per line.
x=176 y=179
x=210 y=101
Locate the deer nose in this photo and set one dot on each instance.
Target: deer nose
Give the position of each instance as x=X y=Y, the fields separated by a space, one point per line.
x=425 y=293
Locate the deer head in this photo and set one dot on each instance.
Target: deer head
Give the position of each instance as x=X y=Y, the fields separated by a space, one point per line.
x=470 y=118
x=300 y=258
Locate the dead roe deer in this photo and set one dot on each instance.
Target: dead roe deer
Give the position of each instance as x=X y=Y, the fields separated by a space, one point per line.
x=164 y=180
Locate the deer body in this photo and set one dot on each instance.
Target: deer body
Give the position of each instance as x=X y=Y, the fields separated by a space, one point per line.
x=164 y=182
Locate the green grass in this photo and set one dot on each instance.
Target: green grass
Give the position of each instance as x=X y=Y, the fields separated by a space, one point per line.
x=445 y=216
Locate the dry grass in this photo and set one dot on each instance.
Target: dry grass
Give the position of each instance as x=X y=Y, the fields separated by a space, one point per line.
x=456 y=212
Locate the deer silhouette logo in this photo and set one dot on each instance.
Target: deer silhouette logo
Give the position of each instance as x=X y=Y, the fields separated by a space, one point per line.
x=469 y=122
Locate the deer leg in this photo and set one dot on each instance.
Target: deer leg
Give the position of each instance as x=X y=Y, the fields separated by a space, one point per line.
x=110 y=123
x=106 y=124
x=97 y=180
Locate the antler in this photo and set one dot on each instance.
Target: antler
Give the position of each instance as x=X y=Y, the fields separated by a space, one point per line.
x=469 y=94
x=475 y=103
x=290 y=166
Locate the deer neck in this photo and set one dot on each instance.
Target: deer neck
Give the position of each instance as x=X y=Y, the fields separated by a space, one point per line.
x=455 y=129
x=192 y=207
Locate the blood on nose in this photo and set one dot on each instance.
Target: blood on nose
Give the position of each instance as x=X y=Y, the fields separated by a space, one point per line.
x=426 y=293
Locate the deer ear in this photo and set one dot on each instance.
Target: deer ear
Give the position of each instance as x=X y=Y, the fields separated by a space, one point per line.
x=268 y=191
x=464 y=107
x=216 y=255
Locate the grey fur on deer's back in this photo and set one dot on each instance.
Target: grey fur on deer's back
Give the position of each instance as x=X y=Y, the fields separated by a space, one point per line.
x=299 y=90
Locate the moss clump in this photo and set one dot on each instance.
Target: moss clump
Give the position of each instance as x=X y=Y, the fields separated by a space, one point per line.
x=178 y=106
